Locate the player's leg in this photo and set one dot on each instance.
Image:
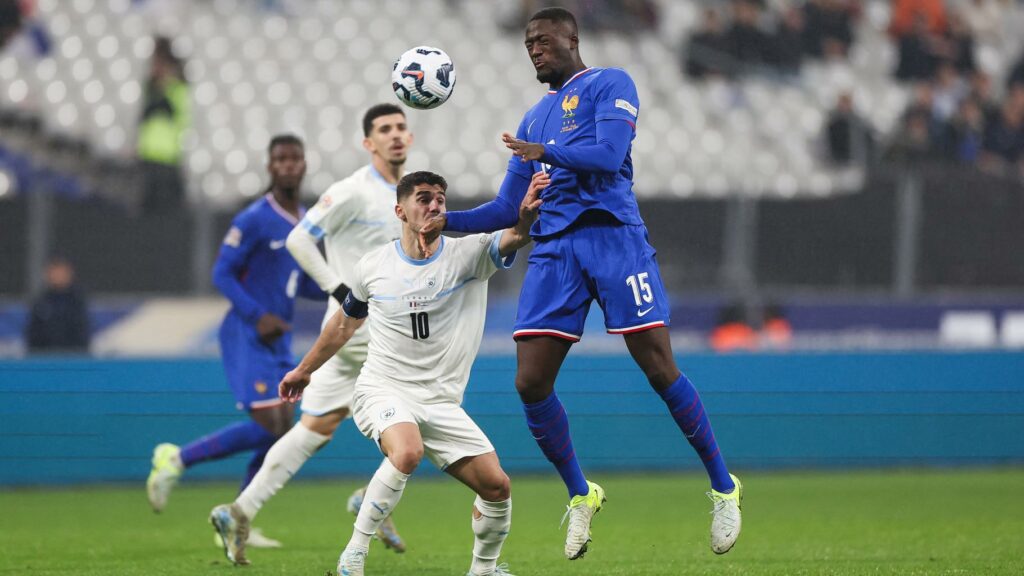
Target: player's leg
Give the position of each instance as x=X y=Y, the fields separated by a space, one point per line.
x=653 y=353
x=633 y=298
x=553 y=307
x=492 y=509
x=455 y=444
x=252 y=379
x=392 y=424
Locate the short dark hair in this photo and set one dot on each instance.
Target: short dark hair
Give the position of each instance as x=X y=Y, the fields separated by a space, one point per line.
x=282 y=140
x=557 y=15
x=377 y=111
x=410 y=181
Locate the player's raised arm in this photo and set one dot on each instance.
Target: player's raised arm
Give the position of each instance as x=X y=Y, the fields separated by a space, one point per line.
x=613 y=139
x=336 y=333
x=518 y=236
x=302 y=244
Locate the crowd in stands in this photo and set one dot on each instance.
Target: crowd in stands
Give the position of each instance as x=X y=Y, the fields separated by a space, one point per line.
x=745 y=36
x=628 y=16
x=956 y=113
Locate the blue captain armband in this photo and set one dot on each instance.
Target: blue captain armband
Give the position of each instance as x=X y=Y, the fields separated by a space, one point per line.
x=355 y=308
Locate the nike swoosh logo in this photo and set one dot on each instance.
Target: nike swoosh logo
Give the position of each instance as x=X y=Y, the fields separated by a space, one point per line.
x=642 y=313
x=276 y=244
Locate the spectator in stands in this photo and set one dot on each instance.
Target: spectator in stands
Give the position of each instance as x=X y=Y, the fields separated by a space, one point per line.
x=165 y=118
x=960 y=45
x=964 y=135
x=10 y=20
x=828 y=30
x=776 y=331
x=917 y=137
x=59 y=319
x=919 y=51
x=981 y=92
x=732 y=332
x=850 y=138
x=948 y=90
x=746 y=42
x=1016 y=76
x=984 y=19
x=788 y=47
x=1003 y=144
x=706 y=52
x=907 y=13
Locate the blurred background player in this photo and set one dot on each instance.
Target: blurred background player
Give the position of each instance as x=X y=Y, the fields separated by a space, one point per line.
x=354 y=216
x=409 y=395
x=590 y=244
x=261 y=279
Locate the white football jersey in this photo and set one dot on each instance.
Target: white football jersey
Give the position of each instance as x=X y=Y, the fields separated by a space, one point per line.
x=352 y=217
x=426 y=317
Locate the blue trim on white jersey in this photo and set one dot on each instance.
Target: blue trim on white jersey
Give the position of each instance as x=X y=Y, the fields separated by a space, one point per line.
x=502 y=263
x=379 y=176
x=314 y=230
x=404 y=256
x=455 y=288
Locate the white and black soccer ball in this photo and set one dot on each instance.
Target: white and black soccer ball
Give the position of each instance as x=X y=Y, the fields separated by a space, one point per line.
x=423 y=77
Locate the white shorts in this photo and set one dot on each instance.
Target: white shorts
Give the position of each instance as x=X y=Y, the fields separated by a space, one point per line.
x=332 y=385
x=448 y=433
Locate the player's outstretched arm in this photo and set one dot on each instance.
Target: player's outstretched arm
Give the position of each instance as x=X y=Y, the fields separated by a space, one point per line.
x=500 y=213
x=613 y=138
x=336 y=333
x=303 y=247
x=518 y=236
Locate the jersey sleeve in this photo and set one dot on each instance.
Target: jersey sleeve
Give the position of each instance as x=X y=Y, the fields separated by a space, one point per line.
x=336 y=208
x=238 y=244
x=356 y=304
x=615 y=97
x=486 y=259
x=515 y=163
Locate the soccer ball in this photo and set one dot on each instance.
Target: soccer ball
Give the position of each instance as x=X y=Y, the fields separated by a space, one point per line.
x=423 y=77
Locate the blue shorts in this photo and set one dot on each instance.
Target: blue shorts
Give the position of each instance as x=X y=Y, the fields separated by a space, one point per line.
x=598 y=258
x=253 y=369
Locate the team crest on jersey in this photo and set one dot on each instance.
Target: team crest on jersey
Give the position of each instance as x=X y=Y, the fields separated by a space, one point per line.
x=431 y=281
x=387 y=414
x=233 y=237
x=260 y=386
x=569 y=105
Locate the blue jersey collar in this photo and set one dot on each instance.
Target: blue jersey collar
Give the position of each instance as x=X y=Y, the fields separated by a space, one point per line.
x=379 y=176
x=567 y=82
x=404 y=256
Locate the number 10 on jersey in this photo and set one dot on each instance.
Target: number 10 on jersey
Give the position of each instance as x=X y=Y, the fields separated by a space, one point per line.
x=420 y=325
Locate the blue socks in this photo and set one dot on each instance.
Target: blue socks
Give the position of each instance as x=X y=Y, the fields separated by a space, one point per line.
x=229 y=440
x=254 y=466
x=688 y=411
x=550 y=428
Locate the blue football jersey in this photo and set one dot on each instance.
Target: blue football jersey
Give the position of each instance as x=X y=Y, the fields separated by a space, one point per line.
x=257 y=274
x=568 y=117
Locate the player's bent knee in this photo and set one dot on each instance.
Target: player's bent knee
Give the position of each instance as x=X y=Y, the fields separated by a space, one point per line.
x=496 y=487
x=406 y=459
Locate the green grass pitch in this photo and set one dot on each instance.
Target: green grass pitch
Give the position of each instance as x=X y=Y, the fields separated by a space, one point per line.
x=900 y=522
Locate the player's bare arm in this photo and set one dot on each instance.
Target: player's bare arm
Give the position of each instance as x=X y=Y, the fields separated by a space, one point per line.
x=526 y=151
x=337 y=333
x=516 y=237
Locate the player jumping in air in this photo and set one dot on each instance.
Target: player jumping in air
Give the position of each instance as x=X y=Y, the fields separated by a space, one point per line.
x=261 y=279
x=590 y=244
x=426 y=321
x=354 y=216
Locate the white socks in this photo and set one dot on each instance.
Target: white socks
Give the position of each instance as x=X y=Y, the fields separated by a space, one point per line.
x=491 y=529
x=283 y=460
x=382 y=495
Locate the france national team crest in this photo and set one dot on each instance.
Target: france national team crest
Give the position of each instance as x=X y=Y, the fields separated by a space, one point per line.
x=260 y=386
x=569 y=105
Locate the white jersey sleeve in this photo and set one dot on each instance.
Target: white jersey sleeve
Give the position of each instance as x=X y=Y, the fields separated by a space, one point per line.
x=485 y=260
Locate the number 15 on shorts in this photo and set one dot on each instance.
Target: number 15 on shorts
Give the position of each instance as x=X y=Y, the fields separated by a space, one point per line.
x=641 y=288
